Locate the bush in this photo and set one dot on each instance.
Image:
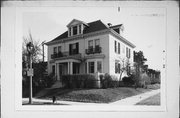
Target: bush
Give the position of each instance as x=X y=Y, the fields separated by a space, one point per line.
x=109 y=81
x=129 y=81
x=79 y=81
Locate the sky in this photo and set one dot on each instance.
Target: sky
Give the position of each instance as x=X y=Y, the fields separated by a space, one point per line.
x=144 y=27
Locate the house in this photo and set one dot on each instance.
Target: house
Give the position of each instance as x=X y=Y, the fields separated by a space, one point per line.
x=89 y=48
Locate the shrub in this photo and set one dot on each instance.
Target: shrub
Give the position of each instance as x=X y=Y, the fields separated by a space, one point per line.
x=79 y=81
x=109 y=81
x=129 y=81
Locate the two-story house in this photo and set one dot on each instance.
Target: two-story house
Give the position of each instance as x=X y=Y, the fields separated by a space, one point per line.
x=88 y=48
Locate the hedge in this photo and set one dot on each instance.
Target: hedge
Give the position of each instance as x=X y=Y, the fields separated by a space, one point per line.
x=79 y=81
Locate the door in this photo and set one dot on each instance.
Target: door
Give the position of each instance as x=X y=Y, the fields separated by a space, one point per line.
x=60 y=70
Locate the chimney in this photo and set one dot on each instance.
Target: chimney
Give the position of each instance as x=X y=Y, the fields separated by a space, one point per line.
x=109 y=24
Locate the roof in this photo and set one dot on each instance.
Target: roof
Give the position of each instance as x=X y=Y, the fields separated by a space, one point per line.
x=116 y=26
x=92 y=27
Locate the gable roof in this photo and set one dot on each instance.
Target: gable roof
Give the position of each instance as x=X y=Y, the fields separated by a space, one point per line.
x=92 y=27
x=75 y=20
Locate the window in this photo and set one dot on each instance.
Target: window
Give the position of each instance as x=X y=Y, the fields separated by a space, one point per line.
x=99 y=66
x=115 y=47
x=80 y=29
x=91 y=67
x=97 y=42
x=73 y=48
x=59 y=49
x=55 y=50
x=117 y=67
x=127 y=52
x=118 y=48
x=74 y=30
x=90 y=44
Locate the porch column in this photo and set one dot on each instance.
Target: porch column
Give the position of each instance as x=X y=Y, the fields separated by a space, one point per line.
x=70 y=67
x=87 y=67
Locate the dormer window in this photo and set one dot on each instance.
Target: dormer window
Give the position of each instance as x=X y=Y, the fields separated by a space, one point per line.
x=75 y=30
x=75 y=27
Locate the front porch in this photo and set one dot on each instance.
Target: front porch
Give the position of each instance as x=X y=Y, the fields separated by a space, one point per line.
x=70 y=66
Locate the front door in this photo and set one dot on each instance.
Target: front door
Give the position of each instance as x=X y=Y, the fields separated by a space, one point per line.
x=60 y=70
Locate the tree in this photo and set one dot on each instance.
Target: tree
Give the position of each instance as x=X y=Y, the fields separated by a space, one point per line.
x=36 y=53
x=125 y=66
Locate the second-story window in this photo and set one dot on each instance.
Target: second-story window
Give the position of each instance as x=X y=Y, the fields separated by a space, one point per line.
x=80 y=29
x=55 y=50
x=73 y=48
x=97 y=43
x=74 y=30
x=59 y=49
x=119 y=48
x=115 y=46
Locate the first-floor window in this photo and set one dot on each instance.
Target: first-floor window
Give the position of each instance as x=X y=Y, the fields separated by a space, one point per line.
x=99 y=66
x=91 y=67
x=117 y=67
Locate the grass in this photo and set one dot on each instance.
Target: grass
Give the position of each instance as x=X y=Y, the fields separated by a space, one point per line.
x=92 y=95
x=153 y=100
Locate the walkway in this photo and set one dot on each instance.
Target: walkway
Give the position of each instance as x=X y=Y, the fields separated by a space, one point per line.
x=127 y=101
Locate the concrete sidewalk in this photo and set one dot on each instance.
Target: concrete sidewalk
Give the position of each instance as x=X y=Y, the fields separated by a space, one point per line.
x=127 y=101
x=137 y=98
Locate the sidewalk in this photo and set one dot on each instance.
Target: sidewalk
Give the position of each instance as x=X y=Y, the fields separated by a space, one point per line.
x=127 y=101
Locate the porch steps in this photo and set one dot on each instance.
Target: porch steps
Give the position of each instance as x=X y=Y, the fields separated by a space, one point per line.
x=57 y=84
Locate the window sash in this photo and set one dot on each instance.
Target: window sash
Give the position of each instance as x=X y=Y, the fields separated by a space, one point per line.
x=97 y=42
x=115 y=46
x=118 y=48
x=90 y=44
x=59 y=49
x=55 y=50
x=74 y=30
x=91 y=67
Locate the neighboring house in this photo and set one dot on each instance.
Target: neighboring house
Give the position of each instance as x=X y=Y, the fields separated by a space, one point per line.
x=89 y=48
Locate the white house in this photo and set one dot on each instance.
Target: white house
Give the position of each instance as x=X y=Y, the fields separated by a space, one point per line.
x=89 y=48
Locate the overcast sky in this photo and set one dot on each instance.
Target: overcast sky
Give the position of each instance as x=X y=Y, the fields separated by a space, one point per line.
x=144 y=27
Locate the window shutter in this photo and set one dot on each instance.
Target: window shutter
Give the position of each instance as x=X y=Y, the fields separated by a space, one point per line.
x=70 y=49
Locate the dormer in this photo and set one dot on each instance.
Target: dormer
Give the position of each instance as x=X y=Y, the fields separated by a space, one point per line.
x=117 y=28
x=76 y=27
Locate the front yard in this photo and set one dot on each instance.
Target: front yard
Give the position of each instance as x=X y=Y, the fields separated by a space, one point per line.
x=92 y=95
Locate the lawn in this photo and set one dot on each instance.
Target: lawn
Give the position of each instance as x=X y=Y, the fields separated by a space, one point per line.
x=92 y=95
x=153 y=100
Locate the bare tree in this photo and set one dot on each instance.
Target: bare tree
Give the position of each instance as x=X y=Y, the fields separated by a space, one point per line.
x=36 y=53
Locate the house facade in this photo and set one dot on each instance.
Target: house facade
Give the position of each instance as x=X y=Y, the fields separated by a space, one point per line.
x=89 y=48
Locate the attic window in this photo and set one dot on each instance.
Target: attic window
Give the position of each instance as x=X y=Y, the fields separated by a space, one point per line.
x=74 y=30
